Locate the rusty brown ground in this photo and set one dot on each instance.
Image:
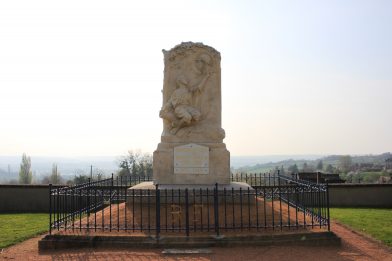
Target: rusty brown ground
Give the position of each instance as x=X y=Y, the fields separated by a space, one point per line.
x=268 y=218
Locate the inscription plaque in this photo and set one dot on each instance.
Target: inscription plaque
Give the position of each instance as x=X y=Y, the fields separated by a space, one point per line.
x=191 y=159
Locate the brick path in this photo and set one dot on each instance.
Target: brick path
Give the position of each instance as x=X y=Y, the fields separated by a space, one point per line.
x=354 y=247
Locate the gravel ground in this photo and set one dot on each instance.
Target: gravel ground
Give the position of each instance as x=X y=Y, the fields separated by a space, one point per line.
x=354 y=247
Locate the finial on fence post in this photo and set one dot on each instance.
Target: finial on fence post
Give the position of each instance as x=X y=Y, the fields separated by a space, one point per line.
x=328 y=215
x=186 y=211
x=158 y=212
x=50 y=208
x=216 y=209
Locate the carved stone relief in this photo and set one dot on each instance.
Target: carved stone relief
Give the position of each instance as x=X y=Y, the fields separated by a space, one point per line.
x=191 y=109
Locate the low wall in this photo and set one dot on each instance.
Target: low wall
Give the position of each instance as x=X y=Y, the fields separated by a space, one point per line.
x=360 y=195
x=24 y=198
x=35 y=198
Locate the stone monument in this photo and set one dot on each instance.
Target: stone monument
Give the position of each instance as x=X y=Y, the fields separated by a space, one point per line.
x=191 y=150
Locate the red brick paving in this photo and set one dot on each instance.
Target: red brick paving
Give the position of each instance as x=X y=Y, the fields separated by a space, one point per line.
x=354 y=247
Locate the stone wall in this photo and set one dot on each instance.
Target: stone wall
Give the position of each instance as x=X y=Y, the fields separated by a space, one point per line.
x=360 y=195
x=24 y=198
x=35 y=198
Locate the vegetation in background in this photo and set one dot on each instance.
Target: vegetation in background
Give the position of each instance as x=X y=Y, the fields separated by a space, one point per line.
x=25 y=174
x=15 y=228
x=353 y=169
x=364 y=169
x=345 y=163
x=293 y=168
x=320 y=165
x=364 y=177
x=372 y=177
x=54 y=178
x=83 y=177
x=136 y=164
x=330 y=169
x=374 y=222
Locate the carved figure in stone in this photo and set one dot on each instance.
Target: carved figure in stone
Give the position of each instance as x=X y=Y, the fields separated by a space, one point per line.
x=191 y=104
x=201 y=63
x=191 y=150
x=179 y=110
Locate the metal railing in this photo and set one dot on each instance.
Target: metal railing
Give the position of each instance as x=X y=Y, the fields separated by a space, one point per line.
x=272 y=202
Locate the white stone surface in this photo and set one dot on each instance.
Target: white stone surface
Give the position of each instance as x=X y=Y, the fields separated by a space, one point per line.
x=191 y=106
x=191 y=159
x=232 y=185
x=191 y=113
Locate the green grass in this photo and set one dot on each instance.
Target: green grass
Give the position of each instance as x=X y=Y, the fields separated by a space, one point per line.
x=374 y=222
x=15 y=228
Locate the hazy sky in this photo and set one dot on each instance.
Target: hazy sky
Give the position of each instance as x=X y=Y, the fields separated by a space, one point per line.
x=298 y=77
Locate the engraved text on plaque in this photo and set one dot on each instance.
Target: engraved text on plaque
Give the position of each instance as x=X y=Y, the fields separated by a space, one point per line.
x=191 y=159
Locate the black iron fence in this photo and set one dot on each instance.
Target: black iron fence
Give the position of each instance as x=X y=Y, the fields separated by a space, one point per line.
x=256 y=179
x=271 y=202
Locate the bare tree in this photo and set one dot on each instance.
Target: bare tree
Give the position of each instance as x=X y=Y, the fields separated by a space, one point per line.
x=25 y=173
x=98 y=173
x=55 y=177
x=320 y=165
x=136 y=163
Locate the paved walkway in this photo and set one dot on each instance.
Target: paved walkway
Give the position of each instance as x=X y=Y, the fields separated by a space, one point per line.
x=354 y=247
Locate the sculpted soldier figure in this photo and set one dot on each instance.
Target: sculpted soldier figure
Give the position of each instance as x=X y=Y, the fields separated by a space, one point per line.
x=179 y=110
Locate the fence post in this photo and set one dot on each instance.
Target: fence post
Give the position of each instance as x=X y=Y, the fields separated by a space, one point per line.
x=157 y=211
x=329 y=224
x=186 y=211
x=319 y=204
x=66 y=208
x=50 y=209
x=110 y=203
x=216 y=209
x=118 y=204
x=88 y=204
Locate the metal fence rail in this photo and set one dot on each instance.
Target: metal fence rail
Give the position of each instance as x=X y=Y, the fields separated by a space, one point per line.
x=273 y=202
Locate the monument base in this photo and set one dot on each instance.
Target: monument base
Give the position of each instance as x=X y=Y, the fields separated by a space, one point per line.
x=197 y=193
x=231 y=186
x=218 y=166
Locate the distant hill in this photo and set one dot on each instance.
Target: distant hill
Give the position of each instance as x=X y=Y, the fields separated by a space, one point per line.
x=332 y=159
x=246 y=161
x=68 y=167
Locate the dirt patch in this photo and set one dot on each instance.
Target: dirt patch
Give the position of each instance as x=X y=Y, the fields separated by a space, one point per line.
x=138 y=219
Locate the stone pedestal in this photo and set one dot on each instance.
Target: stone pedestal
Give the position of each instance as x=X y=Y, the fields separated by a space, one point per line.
x=233 y=193
x=218 y=165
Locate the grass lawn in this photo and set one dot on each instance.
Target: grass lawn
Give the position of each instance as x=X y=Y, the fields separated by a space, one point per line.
x=374 y=222
x=15 y=228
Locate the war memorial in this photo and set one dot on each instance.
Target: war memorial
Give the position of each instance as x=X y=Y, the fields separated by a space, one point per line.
x=192 y=199
x=191 y=153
